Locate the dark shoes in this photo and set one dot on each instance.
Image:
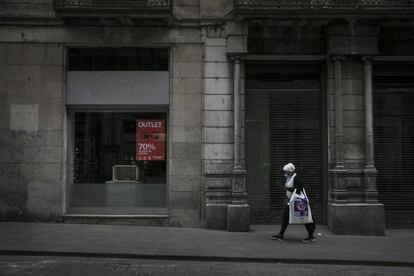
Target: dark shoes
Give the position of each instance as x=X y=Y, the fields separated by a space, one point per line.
x=309 y=239
x=277 y=237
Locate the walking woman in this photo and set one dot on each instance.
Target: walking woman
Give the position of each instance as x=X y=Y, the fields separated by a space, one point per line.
x=292 y=183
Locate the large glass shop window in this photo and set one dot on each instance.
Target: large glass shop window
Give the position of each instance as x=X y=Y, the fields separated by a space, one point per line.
x=119 y=161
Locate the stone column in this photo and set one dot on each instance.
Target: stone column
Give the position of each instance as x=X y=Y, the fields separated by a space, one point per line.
x=371 y=194
x=339 y=193
x=339 y=132
x=238 y=211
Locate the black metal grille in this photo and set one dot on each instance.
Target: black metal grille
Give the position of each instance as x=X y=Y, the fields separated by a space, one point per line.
x=112 y=3
x=394 y=142
x=283 y=124
x=325 y=4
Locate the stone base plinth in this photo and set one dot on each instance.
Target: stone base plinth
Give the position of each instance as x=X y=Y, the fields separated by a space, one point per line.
x=238 y=218
x=356 y=219
x=216 y=216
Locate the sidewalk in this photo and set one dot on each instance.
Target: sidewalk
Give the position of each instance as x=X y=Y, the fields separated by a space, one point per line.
x=394 y=249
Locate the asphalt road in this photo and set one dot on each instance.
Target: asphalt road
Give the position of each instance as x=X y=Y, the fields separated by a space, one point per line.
x=65 y=266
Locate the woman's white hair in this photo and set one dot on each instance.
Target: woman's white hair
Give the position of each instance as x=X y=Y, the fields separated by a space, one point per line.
x=289 y=167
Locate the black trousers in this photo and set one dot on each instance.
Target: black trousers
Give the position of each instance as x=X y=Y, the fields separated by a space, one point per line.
x=285 y=222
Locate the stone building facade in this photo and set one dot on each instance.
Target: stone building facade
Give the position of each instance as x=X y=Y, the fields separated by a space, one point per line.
x=243 y=87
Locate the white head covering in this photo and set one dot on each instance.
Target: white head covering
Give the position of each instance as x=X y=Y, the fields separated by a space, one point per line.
x=289 y=167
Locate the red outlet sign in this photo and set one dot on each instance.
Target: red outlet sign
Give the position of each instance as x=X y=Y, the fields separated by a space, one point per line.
x=150 y=139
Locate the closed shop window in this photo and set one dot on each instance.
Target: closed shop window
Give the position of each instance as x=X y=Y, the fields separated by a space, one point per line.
x=117 y=100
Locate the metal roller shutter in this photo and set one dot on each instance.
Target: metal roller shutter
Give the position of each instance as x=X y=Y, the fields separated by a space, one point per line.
x=394 y=141
x=283 y=124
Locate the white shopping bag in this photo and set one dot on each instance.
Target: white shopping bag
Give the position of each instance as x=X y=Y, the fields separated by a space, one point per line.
x=299 y=209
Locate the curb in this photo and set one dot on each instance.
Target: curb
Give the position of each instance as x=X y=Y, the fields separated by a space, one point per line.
x=206 y=258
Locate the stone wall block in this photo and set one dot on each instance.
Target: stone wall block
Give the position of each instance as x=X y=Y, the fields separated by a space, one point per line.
x=51 y=155
x=218 y=86
x=184 y=183
x=10 y=172
x=353 y=102
x=185 y=150
x=352 y=86
x=216 y=135
x=215 y=53
x=216 y=166
x=184 y=11
x=353 y=135
x=354 y=151
x=13 y=54
x=218 y=102
x=186 y=85
x=13 y=194
x=218 y=70
x=185 y=134
x=11 y=154
x=190 y=117
x=187 y=53
x=45 y=54
x=186 y=101
x=44 y=197
x=187 y=69
x=218 y=118
x=41 y=171
x=184 y=217
x=218 y=151
x=353 y=118
x=184 y=200
x=216 y=8
x=186 y=2
x=216 y=41
x=185 y=167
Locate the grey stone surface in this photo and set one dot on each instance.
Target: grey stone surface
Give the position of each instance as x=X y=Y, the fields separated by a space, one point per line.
x=353 y=118
x=238 y=218
x=186 y=117
x=186 y=69
x=13 y=194
x=187 y=53
x=184 y=217
x=218 y=102
x=41 y=171
x=397 y=246
x=122 y=36
x=186 y=11
x=185 y=134
x=354 y=135
x=44 y=198
x=218 y=118
x=186 y=101
x=218 y=85
x=186 y=85
x=353 y=102
x=218 y=166
x=184 y=200
x=216 y=216
x=215 y=53
x=184 y=183
x=68 y=266
x=356 y=219
x=218 y=151
x=185 y=166
x=217 y=70
x=354 y=151
x=24 y=117
x=184 y=150
x=217 y=135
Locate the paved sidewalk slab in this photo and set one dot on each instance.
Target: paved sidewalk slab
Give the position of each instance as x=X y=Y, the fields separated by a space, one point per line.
x=396 y=248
